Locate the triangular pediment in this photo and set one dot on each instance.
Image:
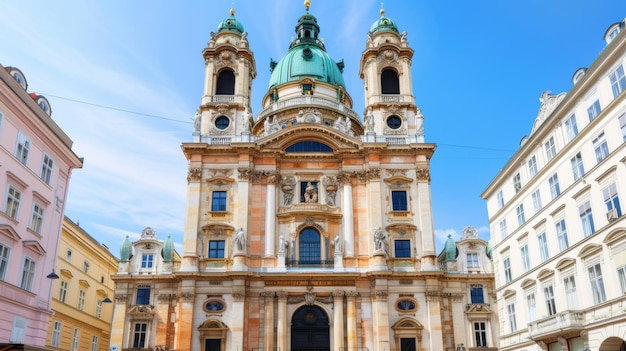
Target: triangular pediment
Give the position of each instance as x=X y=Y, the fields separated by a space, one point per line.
x=35 y=246
x=478 y=308
x=335 y=139
x=9 y=232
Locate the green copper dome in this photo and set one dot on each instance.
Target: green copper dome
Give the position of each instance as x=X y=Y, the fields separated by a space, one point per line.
x=230 y=24
x=383 y=24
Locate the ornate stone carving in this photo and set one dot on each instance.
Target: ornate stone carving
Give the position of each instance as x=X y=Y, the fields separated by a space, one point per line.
x=345 y=177
x=120 y=297
x=338 y=293
x=187 y=296
x=331 y=184
x=381 y=242
x=239 y=296
x=352 y=294
x=423 y=174
x=166 y=297
x=141 y=310
x=396 y=172
x=381 y=294
x=239 y=241
x=226 y=173
x=288 y=185
x=268 y=294
x=194 y=175
x=309 y=298
x=244 y=173
x=310 y=193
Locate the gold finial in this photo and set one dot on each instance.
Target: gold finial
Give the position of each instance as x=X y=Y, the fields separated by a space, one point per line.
x=382 y=9
x=307 y=4
x=232 y=12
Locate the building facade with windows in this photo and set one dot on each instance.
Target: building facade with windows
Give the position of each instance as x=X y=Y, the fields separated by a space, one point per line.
x=36 y=162
x=558 y=230
x=307 y=226
x=82 y=296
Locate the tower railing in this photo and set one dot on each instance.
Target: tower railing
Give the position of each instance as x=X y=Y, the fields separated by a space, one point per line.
x=306 y=101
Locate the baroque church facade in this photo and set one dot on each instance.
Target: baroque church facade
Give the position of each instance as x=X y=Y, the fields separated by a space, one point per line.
x=307 y=226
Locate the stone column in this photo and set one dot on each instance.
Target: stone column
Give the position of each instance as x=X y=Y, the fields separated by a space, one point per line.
x=238 y=317
x=163 y=320
x=185 y=317
x=381 y=321
x=348 y=215
x=425 y=214
x=270 y=215
x=283 y=323
x=435 y=327
x=118 y=322
x=338 y=338
x=208 y=77
x=351 y=319
x=268 y=321
x=192 y=212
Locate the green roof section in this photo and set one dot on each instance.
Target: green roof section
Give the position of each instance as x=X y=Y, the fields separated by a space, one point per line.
x=383 y=24
x=230 y=24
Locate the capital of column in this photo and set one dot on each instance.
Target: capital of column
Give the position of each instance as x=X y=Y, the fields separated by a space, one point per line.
x=187 y=296
x=282 y=296
x=423 y=174
x=239 y=296
x=351 y=294
x=338 y=294
x=345 y=178
x=194 y=175
x=381 y=295
x=120 y=297
x=244 y=173
x=268 y=294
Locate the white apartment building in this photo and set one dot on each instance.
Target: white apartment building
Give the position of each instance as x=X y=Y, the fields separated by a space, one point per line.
x=556 y=216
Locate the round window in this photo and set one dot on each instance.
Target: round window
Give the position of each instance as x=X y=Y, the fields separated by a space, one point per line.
x=222 y=122
x=394 y=122
x=214 y=306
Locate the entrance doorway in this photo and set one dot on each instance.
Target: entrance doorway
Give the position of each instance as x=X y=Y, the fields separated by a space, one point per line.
x=310 y=330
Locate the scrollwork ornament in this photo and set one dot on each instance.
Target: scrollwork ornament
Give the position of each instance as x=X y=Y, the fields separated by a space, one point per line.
x=244 y=173
x=120 y=297
x=423 y=174
x=345 y=178
x=194 y=175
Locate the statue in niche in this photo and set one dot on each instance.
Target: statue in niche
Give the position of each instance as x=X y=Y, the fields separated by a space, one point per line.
x=288 y=186
x=239 y=241
x=197 y=121
x=369 y=120
x=336 y=243
x=310 y=193
x=380 y=241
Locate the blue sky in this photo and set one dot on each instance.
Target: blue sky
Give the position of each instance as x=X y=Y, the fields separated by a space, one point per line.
x=479 y=69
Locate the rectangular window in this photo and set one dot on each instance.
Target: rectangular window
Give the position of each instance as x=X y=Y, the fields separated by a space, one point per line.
x=68 y=255
x=521 y=219
x=571 y=128
x=22 y=148
x=500 y=197
x=507 y=270
x=36 y=220
x=56 y=334
x=218 y=201
x=4 y=260
x=561 y=233
x=510 y=308
x=577 y=166
x=611 y=200
x=94 y=343
x=143 y=295
x=618 y=81
x=480 y=333
x=597 y=283
x=532 y=306
x=476 y=293
x=621 y=273
x=525 y=257
x=46 y=169
x=472 y=260
x=147 y=260
x=543 y=247
x=600 y=147
x=594 y=110
x=216 y=249
x=517 y=183
x=98 y=308
x=28 y=274
x=81 y=299
x=399 y=201
x=550 y=148
x=548 y=293
x=503 y=229
x=12 y=204
x=18 y=331
x=75 y=339
x=139 y=335
x=402 y=248
x=63 y=290
x=586 y=219
x=536 y=197
x=622 y=125
x=532 y=166
x=555 y=188
x=570 y=292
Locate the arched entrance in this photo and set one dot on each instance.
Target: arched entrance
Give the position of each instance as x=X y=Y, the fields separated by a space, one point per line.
x=613 y=344
x=310 y=330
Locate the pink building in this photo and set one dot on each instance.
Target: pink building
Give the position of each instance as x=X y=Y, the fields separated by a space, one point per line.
x=36 y=162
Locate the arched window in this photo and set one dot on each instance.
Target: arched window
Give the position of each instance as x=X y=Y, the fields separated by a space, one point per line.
x=389 y=82
x=309 y=247
x=225 y=83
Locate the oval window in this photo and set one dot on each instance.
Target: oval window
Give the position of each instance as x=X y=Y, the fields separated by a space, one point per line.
x=394 y=122
x=406 y=305
x=222 y=122
x=214 y=306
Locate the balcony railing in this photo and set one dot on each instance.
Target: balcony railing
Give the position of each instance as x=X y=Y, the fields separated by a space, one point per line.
x=309 y=263
x=557 y=324
x=392 y=98
x=309 y=100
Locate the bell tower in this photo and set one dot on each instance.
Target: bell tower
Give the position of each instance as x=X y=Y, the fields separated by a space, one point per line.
x=385 y=68
x=225 y=111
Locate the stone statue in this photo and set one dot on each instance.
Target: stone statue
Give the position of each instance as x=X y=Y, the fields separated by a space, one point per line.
x=310 y=193
x=336 y=243
x=380 y=241
x=282 y=244
x=288 y=186
x=197 y=120
x=239 y=241
x=369 y=121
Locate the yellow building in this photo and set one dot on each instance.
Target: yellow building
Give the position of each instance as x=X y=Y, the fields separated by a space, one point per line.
x=82 y=296
x=307 y=226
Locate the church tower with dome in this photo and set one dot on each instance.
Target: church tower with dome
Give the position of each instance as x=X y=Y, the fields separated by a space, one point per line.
x=308 y=226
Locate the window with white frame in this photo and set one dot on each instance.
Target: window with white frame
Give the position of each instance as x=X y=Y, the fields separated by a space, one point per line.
x=577 y=166
x=94 y=343
x=510 y=309
x=594 y=110
x=480 y=334
x=81 y=299
x=525 y=257
x=98 y=308
x=536 y=197
x=543 y=247
x=36 y=220
x=507 y=270
x=597 y=283
x=75 y=339
x=63 y=290
x=12 y=203
x=569 y=282
x=550 y=148
x=571 y=128
x=22 y=148
x=56 y=334
x=532 y=306
x=517 y=183
x=4 y=260
x=521 y=219
x=28 y=274
x=561 y=234
x=532 y=166
x=147 y=260
x=503 y=229
x=140 y=332
x=618 y=81
x=611 y=200
x=500 y=197
x=18 y=331
x=586 y=218
x=621 y=274
x=555 y=188
x=600 y=147
x=472 y=260
x=548 y=293
x=622 y=125
x=46 y=168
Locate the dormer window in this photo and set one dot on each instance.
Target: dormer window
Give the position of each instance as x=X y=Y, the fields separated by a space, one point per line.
x=147 y=260
x=612 y=32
